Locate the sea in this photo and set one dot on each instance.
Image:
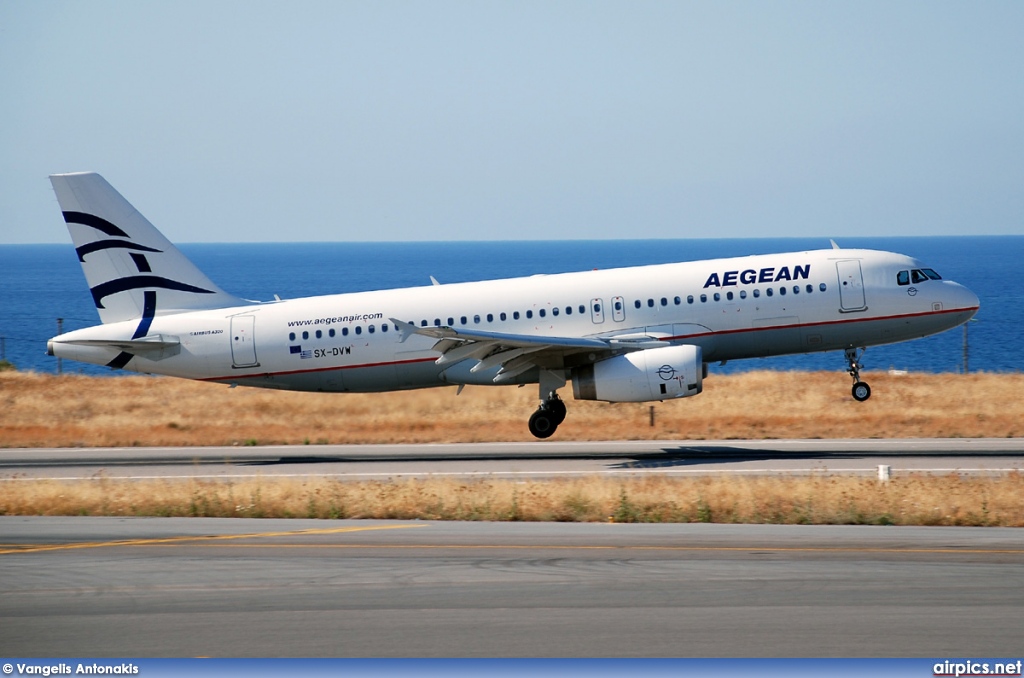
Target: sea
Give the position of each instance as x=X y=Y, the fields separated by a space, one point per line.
x=40 y=284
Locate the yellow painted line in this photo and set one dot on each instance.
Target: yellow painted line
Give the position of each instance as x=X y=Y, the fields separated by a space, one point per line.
x=597 y=547
x=220 y=542
x=164 y=541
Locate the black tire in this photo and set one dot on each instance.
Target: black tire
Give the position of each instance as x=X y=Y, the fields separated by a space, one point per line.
x=543 y=423
x=861 y=391
x=557 y=409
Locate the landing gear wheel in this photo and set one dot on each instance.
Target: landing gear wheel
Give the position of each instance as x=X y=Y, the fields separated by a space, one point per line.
x=861 y=391
x=543 y=423
x=557 y=409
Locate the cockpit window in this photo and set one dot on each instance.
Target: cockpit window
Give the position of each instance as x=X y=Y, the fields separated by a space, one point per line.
x=916 y=276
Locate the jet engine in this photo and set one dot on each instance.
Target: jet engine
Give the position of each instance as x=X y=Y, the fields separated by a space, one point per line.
x=642 y=376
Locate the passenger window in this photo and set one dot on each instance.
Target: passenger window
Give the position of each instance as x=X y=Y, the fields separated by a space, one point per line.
x=728 y=295
x=463 y=320
x=437 y=322
x=677 y=301
x=503 y=316
x=305 y=335
x=423 y=323
x=370 y=329
x=515 y=315
x=782 y=291
x=330 y=332
x=637 y=303
x=743 y=294
x=490 y=317
x=451 y=321
x=689 y=298
x=359 y=330
x=718 y=297
x=568 y=310
x=384 y=327
x=769 y=292
x=543 y=313
x=583 y=309
x=650 y=303
x=822 y=287
x=757 y=293
x=319 y=334
x=796 y=289
x=554 y=311
x=291 y=336
x=664 y=301
x=476 y=320
x=344 y=331
x=618 y=305
x=529 y=314
x=810 y=288
x=703 y=298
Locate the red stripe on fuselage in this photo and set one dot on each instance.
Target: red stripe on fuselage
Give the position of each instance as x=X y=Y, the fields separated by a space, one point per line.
x=675 y=338
x=318 y=369
x=819 y=324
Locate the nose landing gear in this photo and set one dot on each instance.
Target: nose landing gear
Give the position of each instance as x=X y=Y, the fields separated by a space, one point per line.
x=861 y=390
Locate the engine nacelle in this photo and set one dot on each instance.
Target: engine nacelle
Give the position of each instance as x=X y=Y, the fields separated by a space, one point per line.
x=642 y=376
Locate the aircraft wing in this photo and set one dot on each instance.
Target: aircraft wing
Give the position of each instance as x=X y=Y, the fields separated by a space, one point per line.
x=517 y=353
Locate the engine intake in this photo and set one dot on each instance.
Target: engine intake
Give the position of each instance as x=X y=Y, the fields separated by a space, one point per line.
x=642 y=376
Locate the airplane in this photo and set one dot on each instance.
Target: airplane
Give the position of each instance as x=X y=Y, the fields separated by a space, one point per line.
x=638 y=334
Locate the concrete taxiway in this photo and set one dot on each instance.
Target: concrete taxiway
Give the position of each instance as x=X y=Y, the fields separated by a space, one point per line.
x=109 y=587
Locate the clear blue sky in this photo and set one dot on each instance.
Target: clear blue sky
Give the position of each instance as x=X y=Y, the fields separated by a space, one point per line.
x=339 y=121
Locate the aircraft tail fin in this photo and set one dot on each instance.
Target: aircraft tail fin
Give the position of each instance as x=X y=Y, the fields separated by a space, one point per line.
x=133 y=271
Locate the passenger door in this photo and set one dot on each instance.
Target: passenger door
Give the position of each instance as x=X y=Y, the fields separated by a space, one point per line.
x=243 y=341
x=851 y=286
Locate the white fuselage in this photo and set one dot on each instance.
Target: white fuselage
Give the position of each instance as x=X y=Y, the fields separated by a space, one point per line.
x=732 y=308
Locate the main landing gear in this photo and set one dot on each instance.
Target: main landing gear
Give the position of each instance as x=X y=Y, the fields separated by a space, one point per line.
x=548 y=416
x=861 y=391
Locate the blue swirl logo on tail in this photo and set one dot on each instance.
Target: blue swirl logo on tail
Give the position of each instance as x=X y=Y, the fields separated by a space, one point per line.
x=126 y=283
x=136 y=282
x=93 y=221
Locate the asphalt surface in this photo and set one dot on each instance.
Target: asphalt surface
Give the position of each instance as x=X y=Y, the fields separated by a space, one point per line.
x=110 y=587
x=538 y=459
x=206 y=587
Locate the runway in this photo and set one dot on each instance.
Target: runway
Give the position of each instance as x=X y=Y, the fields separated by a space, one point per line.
x=536 y=459
x=238 y=587
x=110 y=587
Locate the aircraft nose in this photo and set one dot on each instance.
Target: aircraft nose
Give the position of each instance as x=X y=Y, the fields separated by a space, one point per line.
x=965 y=298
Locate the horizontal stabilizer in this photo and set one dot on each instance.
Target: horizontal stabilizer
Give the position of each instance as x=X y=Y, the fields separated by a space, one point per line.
x=153 y=347
x=155 y=342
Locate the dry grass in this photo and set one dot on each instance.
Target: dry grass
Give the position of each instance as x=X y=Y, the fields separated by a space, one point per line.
x=39 y=410
x=910 y=500
x=45 y=410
